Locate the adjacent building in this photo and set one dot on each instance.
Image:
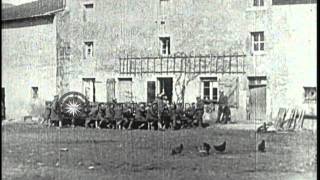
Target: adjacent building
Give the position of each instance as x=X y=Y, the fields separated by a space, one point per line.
x=261 y=53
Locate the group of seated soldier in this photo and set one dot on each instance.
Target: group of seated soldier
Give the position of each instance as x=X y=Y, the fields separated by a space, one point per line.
x=143 y=116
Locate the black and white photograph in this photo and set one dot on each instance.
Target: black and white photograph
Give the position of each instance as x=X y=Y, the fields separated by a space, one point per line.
x=159 y=89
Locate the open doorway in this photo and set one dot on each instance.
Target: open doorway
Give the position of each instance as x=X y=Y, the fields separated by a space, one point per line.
x=166 y=86
x=88 y=89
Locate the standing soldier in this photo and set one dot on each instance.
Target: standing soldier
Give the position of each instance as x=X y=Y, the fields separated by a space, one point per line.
x=160 y=105
x=199 y=112
x=180 y=119
x=221 y=102
x=54 y=113
x=173 y=116
x=47 y=112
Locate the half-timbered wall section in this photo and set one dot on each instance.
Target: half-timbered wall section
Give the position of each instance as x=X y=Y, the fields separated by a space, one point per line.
x=198 y=64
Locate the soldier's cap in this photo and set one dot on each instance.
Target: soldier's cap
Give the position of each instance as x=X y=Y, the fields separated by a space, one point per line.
x=198 y=97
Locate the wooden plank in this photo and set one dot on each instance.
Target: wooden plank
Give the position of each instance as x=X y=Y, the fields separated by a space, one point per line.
x=200 y=65
x=174 y=64
x=167 y=64
x=141 y=67
x=135 y=66
x=194 y=64
x=217 y=61
x=120 y=65
x=211 y=62
x=237 y=63
x=154 y=65
x=147 y=64
x=127 y=64
x=181 y=65
x=205 y=64
x=230 y=58
x=160 y=63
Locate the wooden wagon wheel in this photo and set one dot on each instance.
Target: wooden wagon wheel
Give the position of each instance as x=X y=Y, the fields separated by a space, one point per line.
x=72 y=105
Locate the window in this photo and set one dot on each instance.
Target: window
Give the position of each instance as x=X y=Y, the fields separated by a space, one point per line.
x=165 y=45
x=88 y=6
x=209 y=89
x=88 y=51
x=257 y=41
x=258 y=2
x=34 y=92
x=310 y=94
x=88 y=13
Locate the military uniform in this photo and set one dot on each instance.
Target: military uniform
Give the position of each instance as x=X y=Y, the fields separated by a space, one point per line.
x=93 y=116
x=223 y=100
x=152 y=115
x=54 y=112
x=127 y=116
x=109 y=116
x=118 y=116
x=190 y=115
x=140 y=116
x=199 y=112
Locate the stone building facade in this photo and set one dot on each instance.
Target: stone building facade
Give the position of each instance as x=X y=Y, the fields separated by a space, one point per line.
x=133 y=50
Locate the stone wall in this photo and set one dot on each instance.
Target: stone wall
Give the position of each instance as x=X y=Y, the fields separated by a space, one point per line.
x=28 y=60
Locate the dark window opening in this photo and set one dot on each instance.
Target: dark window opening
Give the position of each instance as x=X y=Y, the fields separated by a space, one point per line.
x=88 y=6
x=165 y=45
x=35 y=92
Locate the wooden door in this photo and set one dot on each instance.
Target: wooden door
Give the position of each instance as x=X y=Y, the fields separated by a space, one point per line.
x=125 y=90
x=257 y=102
x=110 y=89
x=151 y=91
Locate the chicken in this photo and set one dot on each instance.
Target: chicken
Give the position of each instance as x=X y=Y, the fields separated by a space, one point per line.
x=262 y=146
x=221 y=147
x=177 y=150
x=204 y=149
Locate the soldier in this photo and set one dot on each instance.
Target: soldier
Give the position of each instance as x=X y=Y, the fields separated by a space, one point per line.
x=223 y=100
x=160 y=105
x=190 y=115
x=118 y=116
x=165 y=115
x=180 y=119
x=47 y=112
x=173 y=116
x=55 y=110
x=199 y=112
x=140 y=115
x=127 y=116
x=93 y=116
x=152 y=115
x=111 y=123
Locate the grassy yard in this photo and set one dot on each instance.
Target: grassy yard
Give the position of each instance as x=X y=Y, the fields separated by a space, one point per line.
x=30 y=152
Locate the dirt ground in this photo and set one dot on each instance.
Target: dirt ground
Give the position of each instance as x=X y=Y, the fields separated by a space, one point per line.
x=30 y=152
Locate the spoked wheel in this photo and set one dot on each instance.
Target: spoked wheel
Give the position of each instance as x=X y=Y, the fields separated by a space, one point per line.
x=72 y=106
